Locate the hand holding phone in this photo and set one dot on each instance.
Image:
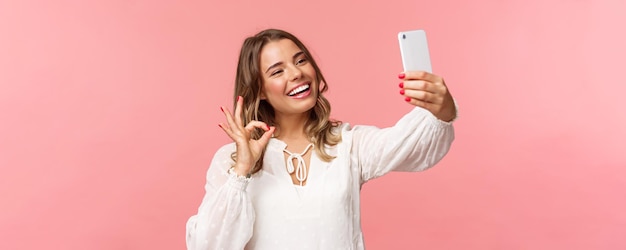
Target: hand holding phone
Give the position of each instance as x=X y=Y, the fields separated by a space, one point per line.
x=423 y=89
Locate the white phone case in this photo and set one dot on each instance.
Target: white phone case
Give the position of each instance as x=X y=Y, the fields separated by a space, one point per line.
x=414 y=50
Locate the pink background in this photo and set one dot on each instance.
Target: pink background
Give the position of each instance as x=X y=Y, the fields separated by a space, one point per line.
x=110 y=109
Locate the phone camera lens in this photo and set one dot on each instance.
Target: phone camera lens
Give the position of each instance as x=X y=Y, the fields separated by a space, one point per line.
x=403 y=36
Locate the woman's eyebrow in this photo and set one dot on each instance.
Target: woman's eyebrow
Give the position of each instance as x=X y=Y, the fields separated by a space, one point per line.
x=297 y=54
x=280 y=63
x=273 y=66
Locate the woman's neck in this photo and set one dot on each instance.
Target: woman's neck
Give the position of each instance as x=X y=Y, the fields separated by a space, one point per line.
x=291 y=127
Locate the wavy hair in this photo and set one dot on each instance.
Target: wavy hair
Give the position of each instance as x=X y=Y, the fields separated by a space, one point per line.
x=249 y=85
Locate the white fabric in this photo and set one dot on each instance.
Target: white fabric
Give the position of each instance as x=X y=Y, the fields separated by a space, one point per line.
x=267 y=212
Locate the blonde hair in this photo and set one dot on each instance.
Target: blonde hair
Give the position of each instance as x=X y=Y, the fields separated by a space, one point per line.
x=249 y=83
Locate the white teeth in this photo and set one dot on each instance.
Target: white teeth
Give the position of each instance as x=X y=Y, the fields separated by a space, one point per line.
x=298 y=90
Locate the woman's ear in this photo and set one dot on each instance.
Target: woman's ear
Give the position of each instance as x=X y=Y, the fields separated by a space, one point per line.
x=262 y=94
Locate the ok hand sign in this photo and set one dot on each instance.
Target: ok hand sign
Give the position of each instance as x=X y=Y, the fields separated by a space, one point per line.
x=248 y=150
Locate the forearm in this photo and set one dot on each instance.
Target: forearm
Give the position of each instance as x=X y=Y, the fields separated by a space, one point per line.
x=224 y=220
x=416 y=142
x=225 y=207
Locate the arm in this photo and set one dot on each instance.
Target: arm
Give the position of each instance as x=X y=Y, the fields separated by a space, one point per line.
x=225 y=218
x=415 y=143
x=419 y=140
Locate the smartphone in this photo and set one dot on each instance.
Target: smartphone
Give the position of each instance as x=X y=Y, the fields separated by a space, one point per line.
x=414 y=50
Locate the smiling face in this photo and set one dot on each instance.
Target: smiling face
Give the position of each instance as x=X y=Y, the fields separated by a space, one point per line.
x=290 y=84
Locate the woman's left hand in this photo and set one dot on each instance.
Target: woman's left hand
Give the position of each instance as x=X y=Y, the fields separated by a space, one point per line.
x=428 y=91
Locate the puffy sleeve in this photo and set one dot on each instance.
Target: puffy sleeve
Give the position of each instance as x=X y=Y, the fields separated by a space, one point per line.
x=226 y=216
x=416 y=142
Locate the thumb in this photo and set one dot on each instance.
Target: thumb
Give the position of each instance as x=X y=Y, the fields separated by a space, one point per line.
x=265 y=138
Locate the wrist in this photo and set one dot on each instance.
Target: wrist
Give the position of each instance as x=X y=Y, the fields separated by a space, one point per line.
x=241 y=171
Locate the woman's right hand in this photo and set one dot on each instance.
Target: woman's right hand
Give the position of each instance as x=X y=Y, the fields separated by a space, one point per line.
x=248 y=150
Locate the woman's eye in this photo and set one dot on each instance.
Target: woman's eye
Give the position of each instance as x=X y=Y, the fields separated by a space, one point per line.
x=301 y=61
x=276 y=72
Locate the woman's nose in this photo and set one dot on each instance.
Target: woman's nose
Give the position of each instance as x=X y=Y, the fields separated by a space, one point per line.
x=296 y=73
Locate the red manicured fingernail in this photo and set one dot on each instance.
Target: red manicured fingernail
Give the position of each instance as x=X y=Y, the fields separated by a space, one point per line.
x=222 y=108
x=402 y=91
x=219 y=125
x=401 y=85
x=407 y=99
x=238 y=98
x=268 y=127
x=401 y=75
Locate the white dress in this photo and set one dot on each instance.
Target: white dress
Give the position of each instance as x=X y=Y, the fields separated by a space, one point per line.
x=267 y=211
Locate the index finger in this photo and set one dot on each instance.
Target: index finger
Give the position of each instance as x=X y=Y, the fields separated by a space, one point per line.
x=238 y=108
x=420 y=75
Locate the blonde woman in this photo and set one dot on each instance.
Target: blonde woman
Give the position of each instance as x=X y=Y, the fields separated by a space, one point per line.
x=291 y=179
